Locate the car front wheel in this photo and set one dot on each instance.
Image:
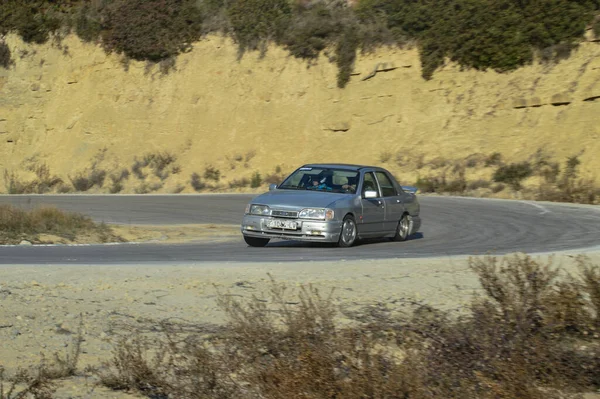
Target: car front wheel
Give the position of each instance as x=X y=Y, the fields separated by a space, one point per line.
x=403 y=229
x=256 y=241
x=348 y=233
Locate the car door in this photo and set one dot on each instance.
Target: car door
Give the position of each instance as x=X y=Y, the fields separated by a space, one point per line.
x=373 y=209
x=394 y=206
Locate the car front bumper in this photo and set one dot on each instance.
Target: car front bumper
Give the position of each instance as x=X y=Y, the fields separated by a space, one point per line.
x=307 y=230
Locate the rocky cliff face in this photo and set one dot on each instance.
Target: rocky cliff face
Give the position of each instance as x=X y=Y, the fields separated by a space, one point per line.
x=76 y=109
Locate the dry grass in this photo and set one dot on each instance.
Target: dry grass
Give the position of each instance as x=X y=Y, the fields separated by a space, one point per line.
x=43 y=183
x=26 y=384
x=529 y=335
x=38 y=382
x=17 y=224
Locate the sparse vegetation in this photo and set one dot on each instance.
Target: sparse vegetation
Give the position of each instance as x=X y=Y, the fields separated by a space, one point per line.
x=568 y=186
x=17 y=224
x=43 y=183
x=385 y=156
x=84 y=181
x=239 y=183
x=117 y=179
x=5 y=55
x=256 y=180
x=196 y=182
x=457 y=184
x=26 y=383
x=530 y=334
x=158 y=164
x=493 y=160
x=212 y=173
x=555 y=184
x=513 y=174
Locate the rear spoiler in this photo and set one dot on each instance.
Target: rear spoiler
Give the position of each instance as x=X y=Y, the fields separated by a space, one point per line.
x=410 y=189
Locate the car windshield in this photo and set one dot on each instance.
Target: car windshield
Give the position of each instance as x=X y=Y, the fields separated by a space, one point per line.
x=322 y=179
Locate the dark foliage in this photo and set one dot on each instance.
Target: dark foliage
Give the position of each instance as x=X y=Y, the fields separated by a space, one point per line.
x=481 y=34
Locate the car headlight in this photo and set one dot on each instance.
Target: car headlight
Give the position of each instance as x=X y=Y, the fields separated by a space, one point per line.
x=316 y=213
x=262 y=210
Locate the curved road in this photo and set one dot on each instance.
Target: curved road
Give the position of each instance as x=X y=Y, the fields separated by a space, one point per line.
x=451 y=226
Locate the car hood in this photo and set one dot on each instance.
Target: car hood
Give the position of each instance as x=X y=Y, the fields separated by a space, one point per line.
x=299 y=198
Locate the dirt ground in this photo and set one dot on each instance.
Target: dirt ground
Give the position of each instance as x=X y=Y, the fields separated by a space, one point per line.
x=41 y=307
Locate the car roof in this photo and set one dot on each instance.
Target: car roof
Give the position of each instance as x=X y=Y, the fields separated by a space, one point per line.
x=340 y=166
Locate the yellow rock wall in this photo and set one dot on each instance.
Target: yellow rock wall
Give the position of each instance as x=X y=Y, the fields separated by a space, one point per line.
x=65 y=105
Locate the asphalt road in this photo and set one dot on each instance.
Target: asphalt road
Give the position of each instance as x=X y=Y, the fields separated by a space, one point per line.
x=451 y=226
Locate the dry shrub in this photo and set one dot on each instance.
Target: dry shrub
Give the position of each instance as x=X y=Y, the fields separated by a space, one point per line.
x=17 y=224
x=117 y=179
x=212 y=173
x=513 y=174
x=6 y=60
x=516 y=339
x=196 y=182
x=66 y=365
x=479 y=183
x=26 y=384
x=287 y=346
x=442 y=184
x=438 y=162
x=239 y=183
x=158 y=164
x=37 y=381
x=84 y=181
x=43 y=183
x=493 y=159
x=566 y=186
x=529 y=335
x=176 y=365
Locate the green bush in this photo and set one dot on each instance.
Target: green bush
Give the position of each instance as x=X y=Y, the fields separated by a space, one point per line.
x=256 y=21
x=345 y=53
x=596 y=29
x=256 y=180
x=482 y=34
x=32 y=20
x=151 y=29
x=196 y=182
x=212 y=173
x=310 y=31
x=5 y=55
x=88 y=25
x=513 y=174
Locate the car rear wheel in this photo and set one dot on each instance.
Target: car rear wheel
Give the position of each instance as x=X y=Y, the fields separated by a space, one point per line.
x=348 y=233
x=403 y=229
x=256 y=241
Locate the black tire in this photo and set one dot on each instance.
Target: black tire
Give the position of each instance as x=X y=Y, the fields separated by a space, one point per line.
x=256 y=241
x=403 y=229
x=349 y=232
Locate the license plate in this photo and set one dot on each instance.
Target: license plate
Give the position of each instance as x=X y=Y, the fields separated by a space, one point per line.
x=282 y=224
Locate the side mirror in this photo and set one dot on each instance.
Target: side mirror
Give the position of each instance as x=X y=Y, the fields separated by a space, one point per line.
x=272 y=186
x=370 y=194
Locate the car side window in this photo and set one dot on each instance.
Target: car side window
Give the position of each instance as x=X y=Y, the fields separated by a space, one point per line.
x=369 y=183
x=387 y=187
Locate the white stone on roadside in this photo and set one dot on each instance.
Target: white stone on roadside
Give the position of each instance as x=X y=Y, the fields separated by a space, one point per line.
x=25 y=243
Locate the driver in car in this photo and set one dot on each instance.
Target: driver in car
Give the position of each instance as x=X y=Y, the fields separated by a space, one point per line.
x=319 y=184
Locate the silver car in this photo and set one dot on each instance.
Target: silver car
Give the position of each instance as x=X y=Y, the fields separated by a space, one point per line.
x=335 y=203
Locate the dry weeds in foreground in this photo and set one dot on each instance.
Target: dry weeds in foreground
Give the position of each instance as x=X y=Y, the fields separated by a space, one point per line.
x=530 y=335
